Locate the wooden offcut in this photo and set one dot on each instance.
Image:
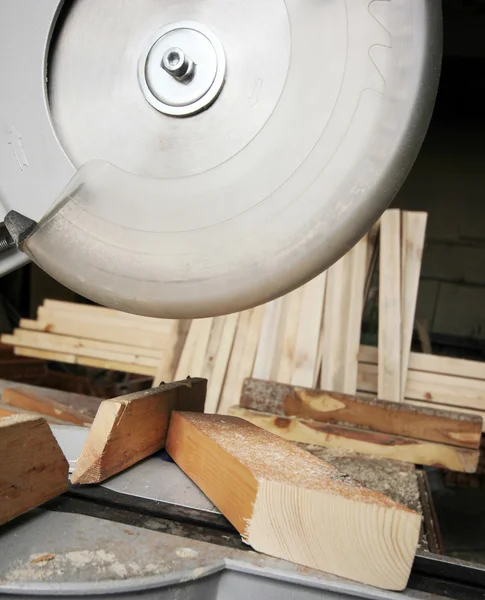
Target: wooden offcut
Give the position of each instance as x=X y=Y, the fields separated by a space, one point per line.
x=399 y=419
x=65 y=406
x=389 y=326
x=132 y=427
x=364 y=441
x=34 y=468
x=290 y=504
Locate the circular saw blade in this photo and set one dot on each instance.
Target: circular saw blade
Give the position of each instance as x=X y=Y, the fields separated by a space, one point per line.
x=321 y=115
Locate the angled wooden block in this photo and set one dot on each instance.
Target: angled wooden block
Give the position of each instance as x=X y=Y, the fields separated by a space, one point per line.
x=364 y=441
x=130 y=428
x=34 y=468
x=292 y=505
x=65 y=406
x=444 y=427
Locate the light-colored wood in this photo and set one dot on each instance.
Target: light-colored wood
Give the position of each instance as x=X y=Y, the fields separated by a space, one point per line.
x=353 y=320
x=270 y=340
x=457 y=409
x=377 y=415
x=65 y=406
x=284 y=355
x=305 y=366
x=169 y=356
x=132 y=427
x=431 y=387
x=217 y=360
x=292 y=505
x=242 y=357
x=413 y=235
x=122 y=331
x=76 y=345
x=34 y=468
x=334 y=326
x=389 y=322
x=419 y=452
x=86 y=361
x=193 y=354
x=56 y=343
x=433 y=363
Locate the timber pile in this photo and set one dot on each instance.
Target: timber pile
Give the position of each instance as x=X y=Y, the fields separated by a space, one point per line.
x=309 y=338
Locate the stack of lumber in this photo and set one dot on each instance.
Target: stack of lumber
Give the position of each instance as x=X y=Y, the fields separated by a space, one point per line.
x=309 y=338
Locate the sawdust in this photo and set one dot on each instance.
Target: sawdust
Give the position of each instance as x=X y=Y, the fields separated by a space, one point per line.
x=102 y=564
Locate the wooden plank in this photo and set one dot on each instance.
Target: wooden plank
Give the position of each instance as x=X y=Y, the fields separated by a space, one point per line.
x=413 y=235
x=389 y=325
x=193 y=354
x=75 y=345
x=56 y=343
x=457 y=409
x=217 y=360
x=242 y=356
x=111 y=330
x=305 y=367
x=265 y=363
x=431 y=387
x=132 y=427
x=87 y=361
x=65 y=406
x=169 y=356
x=364 y=441
x=284 y=354
x=34 y=468
x=377 y=415
x=292 y=505
x=433 y=363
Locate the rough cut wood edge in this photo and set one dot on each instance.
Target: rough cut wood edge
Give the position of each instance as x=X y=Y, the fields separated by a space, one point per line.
x=363 y=441
x=34 y=468
x=427 y=424
x=413 y=235
x=66 y=406
x=290 y=504
x=389 y=320
x=132 y=427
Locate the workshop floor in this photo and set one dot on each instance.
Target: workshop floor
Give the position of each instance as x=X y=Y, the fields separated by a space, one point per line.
x=461 y=515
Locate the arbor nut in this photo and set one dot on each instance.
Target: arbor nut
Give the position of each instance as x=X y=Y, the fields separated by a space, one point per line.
x=178 y=64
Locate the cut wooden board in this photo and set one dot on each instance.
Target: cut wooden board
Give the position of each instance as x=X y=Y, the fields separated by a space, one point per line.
x=413 y=235
x=284 y=354
x=305 y=364
x=431 y=387
x=132 y=427
x=217 y=358
x=65 y=406
x=194 y=351
x=270 y=340
x=389 y=325
x=363 y=441
x=34 y=468
x=98 y=363
x=432 y=363
x=242 y=356
x=377 y=415
x=457 y=409
x=290 y=504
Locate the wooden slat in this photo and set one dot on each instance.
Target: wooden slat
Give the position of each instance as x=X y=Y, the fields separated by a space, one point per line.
x=284 y=354
x=132 y=427
x=242 y=356
x=432 y=363
x=217 y=360
x=292 y=505
x=270 y=340
x=364 y=441
x=378 y=415
x=193 y=354
x=389 y=325
x=413 y=234
x=305 y=365
x=34 y=468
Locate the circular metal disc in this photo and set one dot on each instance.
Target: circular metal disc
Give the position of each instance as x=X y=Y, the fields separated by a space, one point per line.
x=321 y=115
